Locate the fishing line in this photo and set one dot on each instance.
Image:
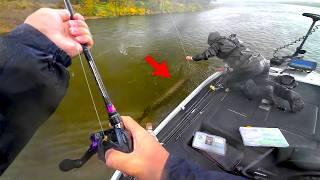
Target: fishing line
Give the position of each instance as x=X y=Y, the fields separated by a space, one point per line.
x=207 y=63
x=195 y=67
x=178 y=33
x=179 y=37
x=90 y=92
x=189 y=66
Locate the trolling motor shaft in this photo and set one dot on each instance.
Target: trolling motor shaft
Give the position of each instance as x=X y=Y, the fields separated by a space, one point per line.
x=276 y=60
x=315 y=18
x=116 y=137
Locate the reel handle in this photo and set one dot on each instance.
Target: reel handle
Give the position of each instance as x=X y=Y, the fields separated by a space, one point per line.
x=101 y=141
x=69 y=164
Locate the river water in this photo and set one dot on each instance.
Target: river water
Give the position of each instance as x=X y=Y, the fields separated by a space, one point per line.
x=120 y=47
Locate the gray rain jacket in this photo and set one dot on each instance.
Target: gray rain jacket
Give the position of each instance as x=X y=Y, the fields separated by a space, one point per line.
x=234 y=53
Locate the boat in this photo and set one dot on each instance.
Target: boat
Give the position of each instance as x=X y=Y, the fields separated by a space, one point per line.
x=221 y=113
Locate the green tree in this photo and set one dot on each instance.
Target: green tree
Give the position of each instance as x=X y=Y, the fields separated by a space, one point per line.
x=88 y=7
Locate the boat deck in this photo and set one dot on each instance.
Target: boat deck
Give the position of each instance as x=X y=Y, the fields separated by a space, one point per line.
x=220 y=113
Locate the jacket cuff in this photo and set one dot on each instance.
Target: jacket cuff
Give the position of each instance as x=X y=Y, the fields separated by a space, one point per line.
x=32 y=38
x=194 y=58
x=173 y=164
x=198 y=58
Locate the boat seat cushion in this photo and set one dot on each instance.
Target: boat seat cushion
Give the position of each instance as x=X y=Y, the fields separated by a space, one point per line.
x=302 y=64
x=302 y=158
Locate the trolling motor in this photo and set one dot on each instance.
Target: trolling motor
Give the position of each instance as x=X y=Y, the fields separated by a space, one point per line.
x=116 y=137
x=315 y=18
x=279 y=60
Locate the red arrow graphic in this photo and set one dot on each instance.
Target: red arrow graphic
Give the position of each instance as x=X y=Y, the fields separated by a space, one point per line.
x=160 y=69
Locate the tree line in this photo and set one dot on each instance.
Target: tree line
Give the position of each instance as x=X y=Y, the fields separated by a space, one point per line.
x=110 y=8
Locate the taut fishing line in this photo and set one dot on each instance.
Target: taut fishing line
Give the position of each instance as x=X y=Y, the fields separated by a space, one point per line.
x=90 y=92
x=180 y=38
x=178 y=33
x=189 y=66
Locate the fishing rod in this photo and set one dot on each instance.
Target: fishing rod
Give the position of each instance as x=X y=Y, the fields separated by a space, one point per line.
x=116 y=137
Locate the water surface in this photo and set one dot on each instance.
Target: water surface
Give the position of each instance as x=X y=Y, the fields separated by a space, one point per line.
x=120 y=47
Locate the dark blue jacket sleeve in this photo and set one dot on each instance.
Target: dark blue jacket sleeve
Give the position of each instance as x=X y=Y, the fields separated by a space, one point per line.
x=34 y=79
x=177 y=168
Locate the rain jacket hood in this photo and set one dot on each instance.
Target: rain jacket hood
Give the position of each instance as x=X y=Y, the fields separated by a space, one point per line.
x=213 y=37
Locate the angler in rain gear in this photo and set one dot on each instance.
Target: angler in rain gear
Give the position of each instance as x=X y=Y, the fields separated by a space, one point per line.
x=248 y=71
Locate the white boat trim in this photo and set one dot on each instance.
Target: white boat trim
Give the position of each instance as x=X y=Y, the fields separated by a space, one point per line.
x=182 y=105
x=116 y=175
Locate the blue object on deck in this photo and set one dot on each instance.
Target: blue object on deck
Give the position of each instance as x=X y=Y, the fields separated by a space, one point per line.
x=302 y=64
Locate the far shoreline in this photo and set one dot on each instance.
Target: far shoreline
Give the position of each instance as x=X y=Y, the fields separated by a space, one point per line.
x=19 y=12
x=10 y=24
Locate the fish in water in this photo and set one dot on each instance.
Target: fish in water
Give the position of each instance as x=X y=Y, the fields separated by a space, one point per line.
x=157 y=103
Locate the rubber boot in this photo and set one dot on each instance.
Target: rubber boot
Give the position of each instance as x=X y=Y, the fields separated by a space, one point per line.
x=294 y=99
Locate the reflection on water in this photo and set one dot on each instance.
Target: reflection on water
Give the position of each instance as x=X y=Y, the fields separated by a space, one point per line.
x=120 y=47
